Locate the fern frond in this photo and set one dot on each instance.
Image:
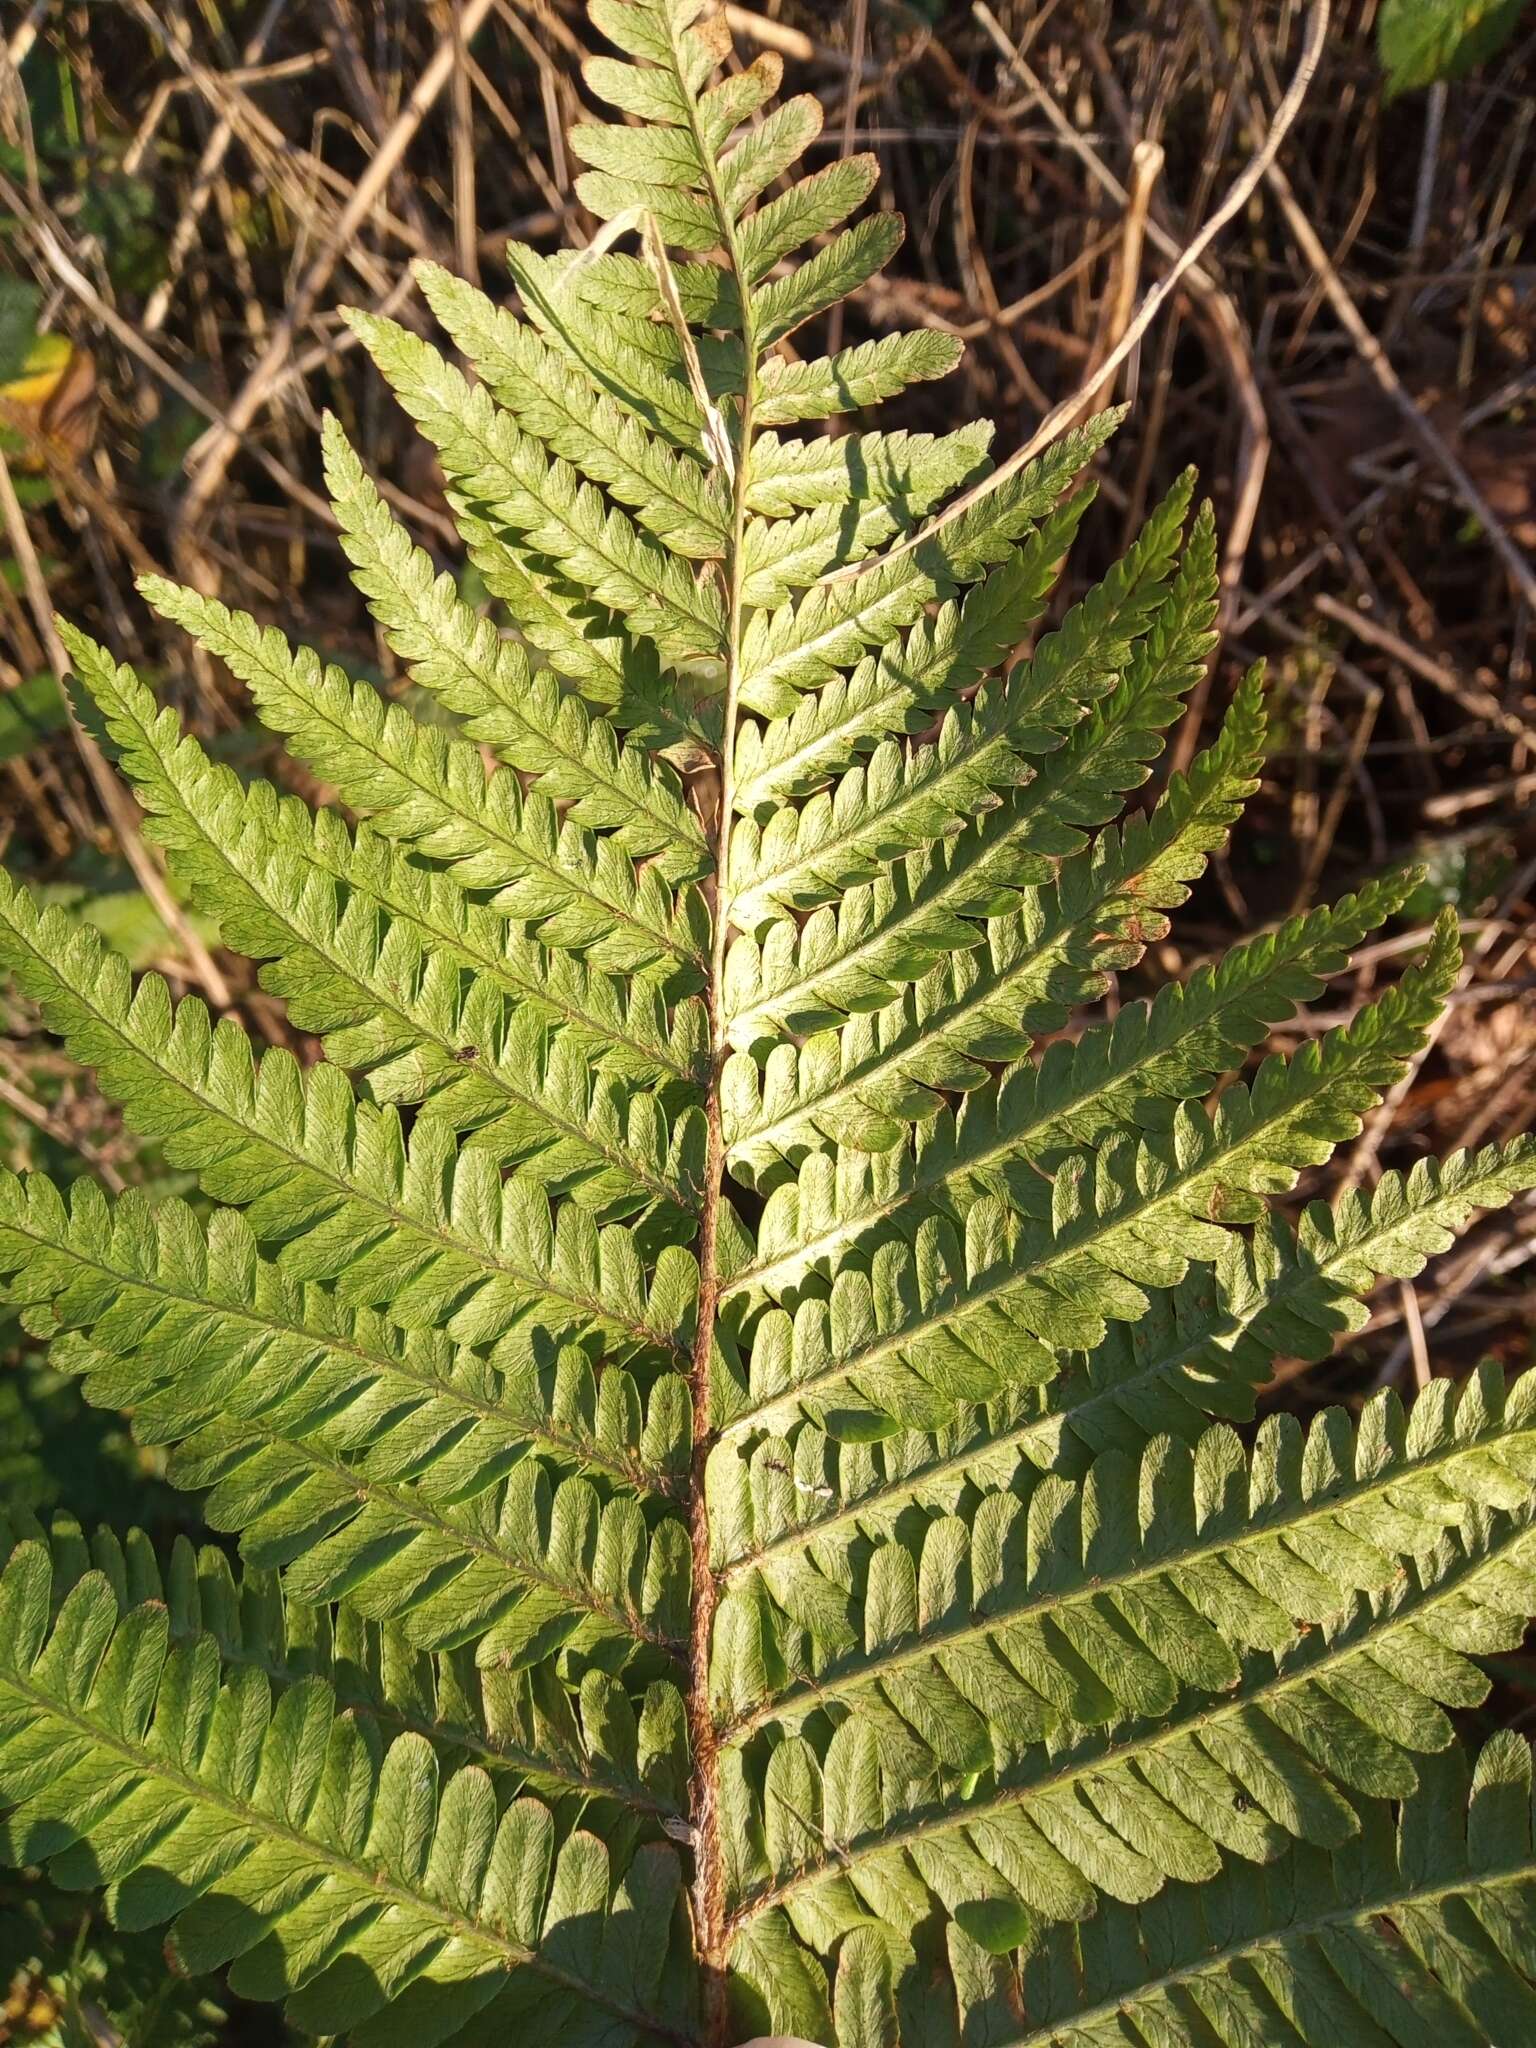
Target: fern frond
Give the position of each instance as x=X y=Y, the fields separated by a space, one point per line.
x=906 y=798
x=894 y=689
x=859 y=1084
x=282 y=1845
x=1282 y=1294
x=527 y=720
x=1415 y=1932
x=1298 y=1537
x=795 y=648
x=814 y=206
x=676 y=173
x=881 y=468
x=823 y=386
x=672 y=497
x=1201 y=1352
x=434 y=1232
x=1004 y=1139
x=562 y=517
x=952 y=1297
x=623 y=1027
x=909 y=798
x=581 y=314
x=588 y=643
x=724 y=1371
x=367 y=1464
x=184 y=1321
x=802 y=978
x=1166 y=1746
x=1105 y=753
x=528 y=1734
x=425 y=786
x=483 y=1065
x=407 y=916
x=765 y=151
x=842 y=267
x=850 y=1088
x=781 y=556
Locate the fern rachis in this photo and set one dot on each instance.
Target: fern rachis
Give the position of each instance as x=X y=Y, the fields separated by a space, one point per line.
x=735 y=1441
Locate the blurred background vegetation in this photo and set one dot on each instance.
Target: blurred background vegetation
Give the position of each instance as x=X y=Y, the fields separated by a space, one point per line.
x=189 y=189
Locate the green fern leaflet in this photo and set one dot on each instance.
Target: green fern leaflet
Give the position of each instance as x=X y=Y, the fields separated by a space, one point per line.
x=725 y=1376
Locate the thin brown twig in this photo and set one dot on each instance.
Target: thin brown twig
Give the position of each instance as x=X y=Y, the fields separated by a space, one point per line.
x=1414 y=1323
x=791 y=42
x=1362 y=1161
x=549 y=95
x=220 y=448
x=1320 y=842
x=465 y=237
x=1187 y=260
x=977 y=271
x=74 y=279
x=204 y=180
x=1146 y=167
x=24 y=35
x=1387 y=380
x=1480 y=703
x=503 y=115
x=372 y=109
x=857 y=37
x=1221 y=315
x=285 y=163
x=114 y=800
x=43 y=1119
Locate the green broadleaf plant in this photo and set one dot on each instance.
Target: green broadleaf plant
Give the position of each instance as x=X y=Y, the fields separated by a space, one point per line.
x=727 y=1407
x=1421 y=42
